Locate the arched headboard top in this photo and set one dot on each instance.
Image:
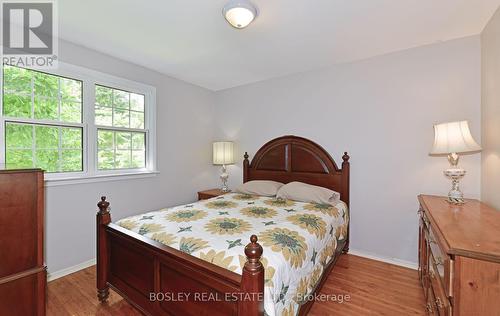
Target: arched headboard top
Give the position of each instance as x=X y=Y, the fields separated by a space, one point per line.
x=292 y=158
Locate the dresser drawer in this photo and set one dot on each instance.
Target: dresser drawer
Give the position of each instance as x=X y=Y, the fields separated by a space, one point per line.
x=24 y=296
x=425 y=220
x=430 y=306
x=436 y=249
x=441 y=262
x=20 y=223
x=441 y=301
x=422 y=256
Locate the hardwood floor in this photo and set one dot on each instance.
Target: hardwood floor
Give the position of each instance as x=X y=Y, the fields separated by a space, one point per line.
x=374 y=287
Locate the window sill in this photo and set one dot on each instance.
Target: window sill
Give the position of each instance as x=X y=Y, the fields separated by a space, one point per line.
x=99 y=178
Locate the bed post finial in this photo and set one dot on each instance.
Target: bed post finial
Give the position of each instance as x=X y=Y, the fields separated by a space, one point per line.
x=253 y=251
x=252 y=280
x=103 y=205
x=345 y=158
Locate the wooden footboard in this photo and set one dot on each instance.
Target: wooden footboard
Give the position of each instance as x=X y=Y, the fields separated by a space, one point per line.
x=160 y=280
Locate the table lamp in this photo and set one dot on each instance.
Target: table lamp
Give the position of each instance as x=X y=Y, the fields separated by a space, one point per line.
x=452 y=139
x=223 y=154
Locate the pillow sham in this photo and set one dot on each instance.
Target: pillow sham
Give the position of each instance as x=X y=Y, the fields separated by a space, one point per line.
x=260 y=187
x=303 y=192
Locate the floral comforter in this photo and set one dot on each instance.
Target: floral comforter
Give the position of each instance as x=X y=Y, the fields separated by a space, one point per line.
x=298 y=239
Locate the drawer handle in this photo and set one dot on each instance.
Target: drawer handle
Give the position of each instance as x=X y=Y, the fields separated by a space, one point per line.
x=439 y=303
x=429 y=309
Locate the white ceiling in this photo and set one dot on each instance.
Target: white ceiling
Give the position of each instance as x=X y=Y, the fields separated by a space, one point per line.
x=190 y=40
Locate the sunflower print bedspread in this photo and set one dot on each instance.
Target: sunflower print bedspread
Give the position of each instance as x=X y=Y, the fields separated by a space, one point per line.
x=298 y=239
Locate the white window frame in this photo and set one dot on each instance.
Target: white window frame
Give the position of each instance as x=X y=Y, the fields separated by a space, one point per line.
x=90 y=171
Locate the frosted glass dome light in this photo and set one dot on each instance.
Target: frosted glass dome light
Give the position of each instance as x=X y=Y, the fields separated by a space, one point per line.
x=239 y=13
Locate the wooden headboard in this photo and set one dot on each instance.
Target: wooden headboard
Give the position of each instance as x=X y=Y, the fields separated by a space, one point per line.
x=291 y=158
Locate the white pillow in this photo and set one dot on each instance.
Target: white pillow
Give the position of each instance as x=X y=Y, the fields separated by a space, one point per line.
x=260 y=187
x=303 y=192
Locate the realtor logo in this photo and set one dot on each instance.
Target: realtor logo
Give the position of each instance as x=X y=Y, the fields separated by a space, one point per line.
x=28 y=34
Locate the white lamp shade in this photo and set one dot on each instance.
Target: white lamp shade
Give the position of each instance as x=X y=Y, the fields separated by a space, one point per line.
x=223 y=153
x=453 y=137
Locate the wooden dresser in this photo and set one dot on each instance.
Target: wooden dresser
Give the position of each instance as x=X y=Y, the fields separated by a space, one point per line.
x=459 y=257
x=23 y=278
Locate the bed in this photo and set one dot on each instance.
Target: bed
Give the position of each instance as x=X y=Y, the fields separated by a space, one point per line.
x=191 y=259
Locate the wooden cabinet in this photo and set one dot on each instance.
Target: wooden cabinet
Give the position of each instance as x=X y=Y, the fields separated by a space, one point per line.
x=459 y=257
x=23 y=276
x=208 y=194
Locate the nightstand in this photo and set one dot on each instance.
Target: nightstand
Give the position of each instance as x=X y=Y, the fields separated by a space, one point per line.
x=208 y=194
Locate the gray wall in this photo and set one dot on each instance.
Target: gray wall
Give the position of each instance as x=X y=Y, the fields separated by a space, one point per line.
x=381 y=111
x=184 y=132
x=490 y=44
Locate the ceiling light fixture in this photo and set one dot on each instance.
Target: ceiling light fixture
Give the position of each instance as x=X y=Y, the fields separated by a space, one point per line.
x=239 y=13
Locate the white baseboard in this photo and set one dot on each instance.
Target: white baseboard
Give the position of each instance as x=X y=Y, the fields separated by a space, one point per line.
x=59 y=274
x=398 y=262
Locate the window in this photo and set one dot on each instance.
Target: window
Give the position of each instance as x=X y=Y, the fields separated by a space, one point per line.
x=76 y=123
x=52 y=148
x=43 y=120
x=119 y=116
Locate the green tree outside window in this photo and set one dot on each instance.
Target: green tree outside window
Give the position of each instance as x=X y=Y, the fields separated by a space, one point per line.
x=53 y=101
